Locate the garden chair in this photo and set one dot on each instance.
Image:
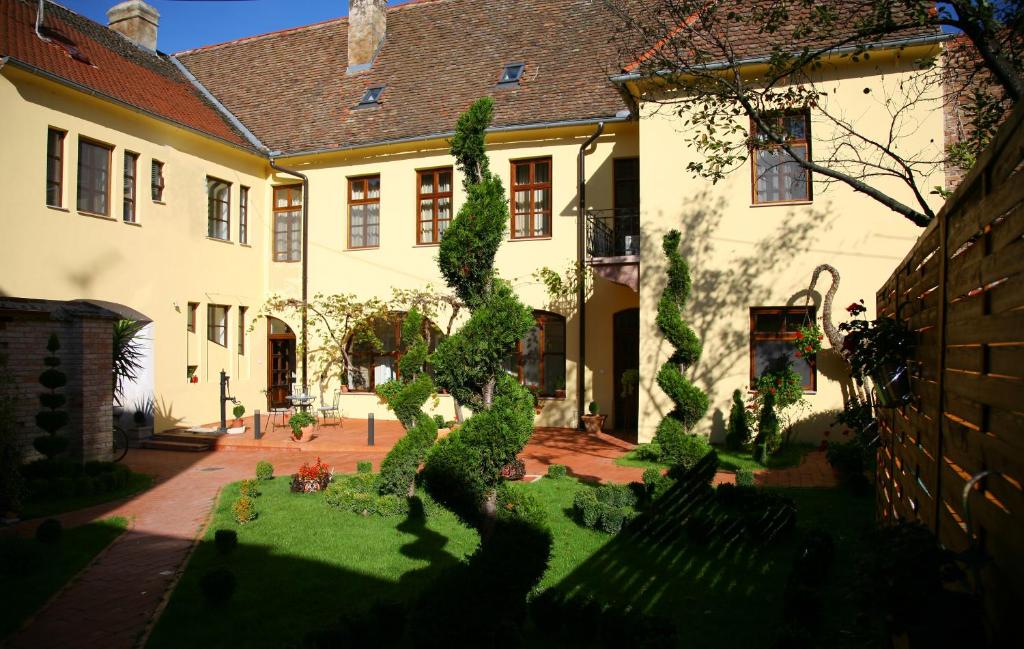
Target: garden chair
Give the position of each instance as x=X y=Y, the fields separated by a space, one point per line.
x=326 y=410
x=283 y=413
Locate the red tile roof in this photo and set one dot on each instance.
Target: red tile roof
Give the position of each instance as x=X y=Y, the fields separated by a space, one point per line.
x=291 y=89
x=88 y=54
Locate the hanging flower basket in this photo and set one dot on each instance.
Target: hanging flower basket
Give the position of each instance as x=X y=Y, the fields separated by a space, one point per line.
x=808 y=340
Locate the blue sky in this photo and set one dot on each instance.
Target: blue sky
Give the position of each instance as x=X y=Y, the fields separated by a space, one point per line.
x=185 y=24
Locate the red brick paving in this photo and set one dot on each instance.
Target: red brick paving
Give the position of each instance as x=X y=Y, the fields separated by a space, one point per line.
x=113 y=602
x=813 y=471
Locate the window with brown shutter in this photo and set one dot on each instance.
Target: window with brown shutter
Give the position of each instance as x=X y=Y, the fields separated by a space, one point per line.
x=531 y=198
x=55 y=167
x=364 y=212
x=94 y=176
x=288 y=223
x=777 y=176
x=773 y=341
x=433 y=204
x=128 y=203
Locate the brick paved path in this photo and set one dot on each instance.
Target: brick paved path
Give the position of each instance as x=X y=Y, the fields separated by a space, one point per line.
x=813 y=471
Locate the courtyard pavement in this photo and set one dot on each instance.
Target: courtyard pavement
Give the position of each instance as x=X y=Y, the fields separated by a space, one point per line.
x=113 y=603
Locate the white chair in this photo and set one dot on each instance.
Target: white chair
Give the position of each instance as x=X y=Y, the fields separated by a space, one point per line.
x=326 y=410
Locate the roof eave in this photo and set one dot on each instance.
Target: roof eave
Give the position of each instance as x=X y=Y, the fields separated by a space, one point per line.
x=756 y=60
x=447 y=134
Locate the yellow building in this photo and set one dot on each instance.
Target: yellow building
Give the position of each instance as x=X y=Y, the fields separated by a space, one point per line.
x=174 y=185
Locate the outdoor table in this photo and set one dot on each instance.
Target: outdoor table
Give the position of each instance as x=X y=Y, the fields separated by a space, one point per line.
x=302 y=401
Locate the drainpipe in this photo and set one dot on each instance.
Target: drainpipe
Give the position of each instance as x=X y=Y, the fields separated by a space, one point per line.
x=305 y=264
x=581 y=293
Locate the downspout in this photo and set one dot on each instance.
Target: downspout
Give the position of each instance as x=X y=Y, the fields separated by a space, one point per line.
x=305 y=266
x=581 y=293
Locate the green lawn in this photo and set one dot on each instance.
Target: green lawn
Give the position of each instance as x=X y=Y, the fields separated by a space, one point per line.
x=37 y=571
x=137 y=482
x=731 y=460
x=301 y=564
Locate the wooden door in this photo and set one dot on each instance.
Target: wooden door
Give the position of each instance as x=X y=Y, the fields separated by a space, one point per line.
x=280 y=369
x=626 y=357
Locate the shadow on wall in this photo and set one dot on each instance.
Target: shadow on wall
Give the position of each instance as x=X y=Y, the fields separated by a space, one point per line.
x=724 y=288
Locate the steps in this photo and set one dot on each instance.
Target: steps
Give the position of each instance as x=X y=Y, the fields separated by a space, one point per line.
x=179 y=440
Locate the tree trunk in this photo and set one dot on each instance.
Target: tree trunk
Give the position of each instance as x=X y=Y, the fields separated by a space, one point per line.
x=489 y=509
x=489 y=393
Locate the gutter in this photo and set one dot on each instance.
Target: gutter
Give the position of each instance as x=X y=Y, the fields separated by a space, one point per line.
x=581 y=293
x=448 y=134
x=305 y=264
x=755 y=60
x=221 y=108
x=114 y=100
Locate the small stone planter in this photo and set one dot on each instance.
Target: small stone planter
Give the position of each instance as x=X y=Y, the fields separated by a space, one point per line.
x=594 y=423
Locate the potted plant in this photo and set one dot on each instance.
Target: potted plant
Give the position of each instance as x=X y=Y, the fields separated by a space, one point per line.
x=238 y=411
x=630 y=380
x=302 y=424
x=311 y=477
x=879 y=349
x=593 y=422
x=139 y=418
x=535 y=395
x=560 y=389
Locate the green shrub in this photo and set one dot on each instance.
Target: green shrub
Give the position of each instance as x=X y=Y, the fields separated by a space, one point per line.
x=339 y=496
x=52 y=417
x=359 y=493
x=300 y=420
x=518 y=504
x=738 y=430
x=744 y=477
x=440 y=422
x=606 y=508
x=648 y=452
x=264 y=470
x=399 y=467
x=768 y=429
x=365 y=504
x=49 y=531
x=243 y=510
x=557 y=471
x=683 y=450
x=392 y=505
x=225 y=540
x=651 y=477
x=587 y=508
x=248 y=488
x=364 y=466
x=218 y=585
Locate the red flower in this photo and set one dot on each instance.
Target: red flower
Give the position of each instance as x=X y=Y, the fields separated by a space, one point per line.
x=799 y=355
x=799 y=335
x=856 y=308
x=772 y=390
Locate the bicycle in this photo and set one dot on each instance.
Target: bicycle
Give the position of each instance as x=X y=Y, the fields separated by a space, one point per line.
x=119 y=444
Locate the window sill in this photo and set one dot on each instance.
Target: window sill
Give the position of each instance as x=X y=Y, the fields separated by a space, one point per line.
x=58 y=208
x=285 y=261
x=134 y=224
x=515 y=239
x=782 y=204
x=427 y=245
x=245 y=245
x=156 y=202
x=227 y=241
x=97 y=216
x=363 y=248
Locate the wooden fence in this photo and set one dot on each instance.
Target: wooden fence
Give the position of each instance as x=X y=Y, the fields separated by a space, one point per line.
x=962 y=289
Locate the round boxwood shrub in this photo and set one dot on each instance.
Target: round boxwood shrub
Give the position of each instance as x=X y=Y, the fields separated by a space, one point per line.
x=557 y=471
x=248 y=488
x=49 y=531
x=218 y=585
x=264 y=470
x=606 y=508
x=225 y=540
x=243 y=510
x=364 y=466
x=744 y=478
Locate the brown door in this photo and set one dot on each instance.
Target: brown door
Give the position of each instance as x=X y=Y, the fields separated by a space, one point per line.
x=281 y=353
x=627 y=359
x=626 y=200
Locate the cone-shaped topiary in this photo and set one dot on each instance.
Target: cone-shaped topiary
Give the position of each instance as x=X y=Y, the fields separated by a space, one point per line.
x=406 y=396
x=690 y=402
x=53 y=417
x=738 y=432
x=464 y=469
x=767 y=440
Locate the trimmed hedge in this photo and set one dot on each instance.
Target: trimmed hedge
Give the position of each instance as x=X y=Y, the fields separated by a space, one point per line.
x=264 y=470
x=606 y=508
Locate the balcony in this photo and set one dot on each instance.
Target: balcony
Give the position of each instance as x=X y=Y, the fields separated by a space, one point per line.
x=613 y=245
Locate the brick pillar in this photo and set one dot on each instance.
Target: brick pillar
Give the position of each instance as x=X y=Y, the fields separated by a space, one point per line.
x=95 y=379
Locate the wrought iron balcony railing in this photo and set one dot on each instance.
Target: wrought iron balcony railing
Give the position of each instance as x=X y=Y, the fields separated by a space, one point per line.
x=613 y=233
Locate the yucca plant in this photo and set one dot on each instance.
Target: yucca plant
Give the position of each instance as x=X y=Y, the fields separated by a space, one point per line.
x=127 y=354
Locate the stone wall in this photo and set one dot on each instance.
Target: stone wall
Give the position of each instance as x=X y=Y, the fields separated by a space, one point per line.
x=85 y=354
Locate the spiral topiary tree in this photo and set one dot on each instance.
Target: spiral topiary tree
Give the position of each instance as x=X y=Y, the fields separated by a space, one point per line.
x=738 y=431
x=690 y=403
x=52 y=417
x=406 y=396
x=464 y=469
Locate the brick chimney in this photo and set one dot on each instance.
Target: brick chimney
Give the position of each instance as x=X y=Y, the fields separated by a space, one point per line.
x=367 y=23
x=136 y=21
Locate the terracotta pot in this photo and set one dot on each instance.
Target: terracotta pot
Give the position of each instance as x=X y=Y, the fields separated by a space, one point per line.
x=307 y=435
x=594 y=423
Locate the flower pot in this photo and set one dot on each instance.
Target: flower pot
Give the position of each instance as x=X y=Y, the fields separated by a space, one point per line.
x=559 y=394
x=307 y=435
x=594 y=423
x=892 y=386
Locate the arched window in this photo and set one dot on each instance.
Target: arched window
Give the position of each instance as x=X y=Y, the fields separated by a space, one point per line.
x=371 y=365
x=538 y=360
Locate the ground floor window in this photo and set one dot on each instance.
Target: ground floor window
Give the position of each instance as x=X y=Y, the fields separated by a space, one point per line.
x=538 y=360
x=773 y=341
x=217 y=324
x=373 y=365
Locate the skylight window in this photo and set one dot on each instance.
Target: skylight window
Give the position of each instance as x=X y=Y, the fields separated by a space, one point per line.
x=371 y=96
x=511 y=73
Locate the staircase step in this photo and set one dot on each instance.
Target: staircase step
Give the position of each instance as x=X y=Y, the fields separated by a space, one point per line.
x=196 y=446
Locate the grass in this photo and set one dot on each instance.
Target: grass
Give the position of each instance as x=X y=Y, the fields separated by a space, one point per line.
x=299 y=565
x=137 y=482
x=44 y=569
x=728 y=460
